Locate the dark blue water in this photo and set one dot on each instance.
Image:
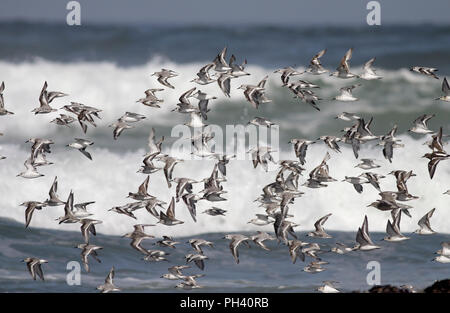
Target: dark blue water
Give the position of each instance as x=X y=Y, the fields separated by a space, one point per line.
x=407 y=262
x=272 y=46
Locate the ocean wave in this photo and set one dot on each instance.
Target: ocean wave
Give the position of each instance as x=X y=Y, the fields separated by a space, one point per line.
x=111 y=175
x=115 y=89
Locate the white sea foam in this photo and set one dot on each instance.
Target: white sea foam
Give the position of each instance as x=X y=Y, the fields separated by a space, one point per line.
x=115 y=89
x=111 y=175
x=108 y=179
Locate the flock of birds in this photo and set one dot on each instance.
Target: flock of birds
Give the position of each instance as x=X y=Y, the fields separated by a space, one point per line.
x=276 y=197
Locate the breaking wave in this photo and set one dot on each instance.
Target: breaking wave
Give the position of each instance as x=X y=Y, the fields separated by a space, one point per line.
x=111 y=175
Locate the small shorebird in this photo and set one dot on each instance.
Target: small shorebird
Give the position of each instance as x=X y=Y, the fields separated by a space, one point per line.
x=389 y=142
x=119 y=127
x=363 y=240
x=203 y=102
x=435 y=157
x=283 y=228
x=54 y=199
x=236 y=240
x=331 y=142
x=214 y=211
x=308 y=96
x=444 y=253
x=191 y=200
x=167 y=242
x=346 y=116
x=328 y=287
x=31 y=206
x=154 y=147
x=340 y=248
x=427 y=71
x=63 y=120
x=45 y=98
x=367 y=164
x=222 y=161
x=301 y=84
x=155 y=256
x=300 y=148
x=369 y=72
x=321 y=172
x=164 y=75
x=373 y=179
x=203 y=77
x=130 y=117
x=420 y=124
x=168 y=218
x=320 y=232
x=259 y=239
x=445 y=249
x=346 y=93
x=261 y=121
x=80 y=209
x=424 y=224
x=261 y=220
x=343 y=70
x=220 y=64
x=81 y=145
x=88 y=250
x=442 y=259
x=88 y=226
x=142 y=193
x=198 y=259
x=108 y=286
x=34 y=267
x=39 y=146
x=393 y=229
x=183 y=185
x=315 y=67
x=236 y=69
x=148 y=167
x=68 y=217
x=189 y=283
x=261 y=155
x=123 y=210
x=295 y=250
x=3 y=111
x=151 y=99
x=445 y=91
x=175 y=272
x=30 y=170
x=224 y=82
x=197 y=243
x=356 y=182
x=286 y=73
x=253 y=94
x=150 y=206
x=169 y=165
x=314 y=267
